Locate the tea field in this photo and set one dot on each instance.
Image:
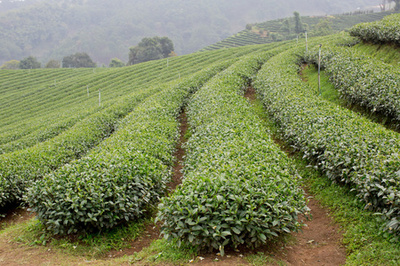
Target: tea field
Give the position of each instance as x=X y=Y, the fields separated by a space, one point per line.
x=91 y=151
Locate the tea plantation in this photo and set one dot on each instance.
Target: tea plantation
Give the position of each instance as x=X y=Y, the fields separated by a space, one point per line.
x=89 y=150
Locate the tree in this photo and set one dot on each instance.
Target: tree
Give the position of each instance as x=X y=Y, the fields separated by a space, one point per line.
x=298 y=28
x=150 y=49
x=53 y=64
x=115 y=62
x=322 y=28
x=12 y=64
x=397 y=6
x=29 y=63
x=286 y=26
x=78 y=60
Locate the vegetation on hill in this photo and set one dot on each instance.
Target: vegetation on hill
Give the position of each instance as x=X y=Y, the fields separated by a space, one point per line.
x=93 y=149
x=289 y=29
x=151 y=49
x=52 y=29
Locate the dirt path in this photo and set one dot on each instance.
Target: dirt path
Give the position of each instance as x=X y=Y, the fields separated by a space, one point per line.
x=318 y=244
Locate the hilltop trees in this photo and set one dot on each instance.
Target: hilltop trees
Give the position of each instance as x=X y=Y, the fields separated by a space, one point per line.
x=29 y=63
x=78 y=60
x=298 y=28
x=115 y=62
x=12 y=64
x=150 y=49
x=53 y=64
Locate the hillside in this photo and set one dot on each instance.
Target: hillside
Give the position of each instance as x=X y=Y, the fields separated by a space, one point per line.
x=52 y=29
x=276 y=30
x=238 y=155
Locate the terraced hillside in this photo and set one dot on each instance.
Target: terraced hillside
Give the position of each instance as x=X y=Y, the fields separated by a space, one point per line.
x=275 y=30
x=93 y=152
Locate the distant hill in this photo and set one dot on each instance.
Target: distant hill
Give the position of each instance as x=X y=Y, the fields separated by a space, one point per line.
x=275 y=30
x=51 y=29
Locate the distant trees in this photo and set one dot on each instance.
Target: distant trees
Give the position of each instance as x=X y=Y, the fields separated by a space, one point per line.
x=29 y=63
x=298 y=28
x=397 y=6
x=322 y=28
x=12 y=64
x=53 y=64
x=78 y=60
x=286 y=26
x=150 y=49
x=115 y=62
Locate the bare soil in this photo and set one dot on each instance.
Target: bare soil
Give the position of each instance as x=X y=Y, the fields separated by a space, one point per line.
x=317 y=244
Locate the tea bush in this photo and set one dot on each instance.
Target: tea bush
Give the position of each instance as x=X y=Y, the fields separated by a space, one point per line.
x=238 y=187
x=120 y=179
x=346 y=146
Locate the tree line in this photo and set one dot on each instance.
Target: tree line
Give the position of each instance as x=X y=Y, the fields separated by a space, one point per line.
x=148 y=49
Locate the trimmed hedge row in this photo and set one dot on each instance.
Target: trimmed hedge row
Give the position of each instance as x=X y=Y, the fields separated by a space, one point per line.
x=347 y=147
x=386 y=30
x=362 y=80
x=238 y=188
x=19 y=169
x=123 y=176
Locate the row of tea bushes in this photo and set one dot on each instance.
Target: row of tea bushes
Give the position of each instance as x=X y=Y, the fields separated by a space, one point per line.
x=120 y=179
x=20 y=168
x=386 y=30
x=39 y=104
x=346 y=146
x=237 y=188
x=363 y=80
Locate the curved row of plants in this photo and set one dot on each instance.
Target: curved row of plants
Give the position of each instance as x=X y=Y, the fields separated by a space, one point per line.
x=56 y=103
x=238 y=187
x=362 y=80
x=347 y=147
x=120 y=179
x=20 y=168
x=383 y=31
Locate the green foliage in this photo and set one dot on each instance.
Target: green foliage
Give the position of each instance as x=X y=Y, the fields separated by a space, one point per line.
x=238 y=188
x=365 y=243
x=78 y=60
x=284 y=29
x=29 y=63
x=165 y=251
x=12 y=64
x=363 y=80
x=150 y=49
x=53 y=64
x=324 y=27
x=19 y=169
x=298 y=26
x=383 y=31
x=347 y=147
x=120 y=179
x=115 y=62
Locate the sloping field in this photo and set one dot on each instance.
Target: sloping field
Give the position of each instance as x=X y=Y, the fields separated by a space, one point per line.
x=275 y=30
x=91 y=151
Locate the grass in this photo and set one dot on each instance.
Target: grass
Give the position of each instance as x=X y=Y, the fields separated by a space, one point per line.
x=328 y=91
x=162 y=251
x=261 y=258
x=95 y=245
x=365 y=242
x=389 y=54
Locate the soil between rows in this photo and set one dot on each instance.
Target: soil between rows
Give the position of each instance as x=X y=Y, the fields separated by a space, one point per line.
x=317 y=244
